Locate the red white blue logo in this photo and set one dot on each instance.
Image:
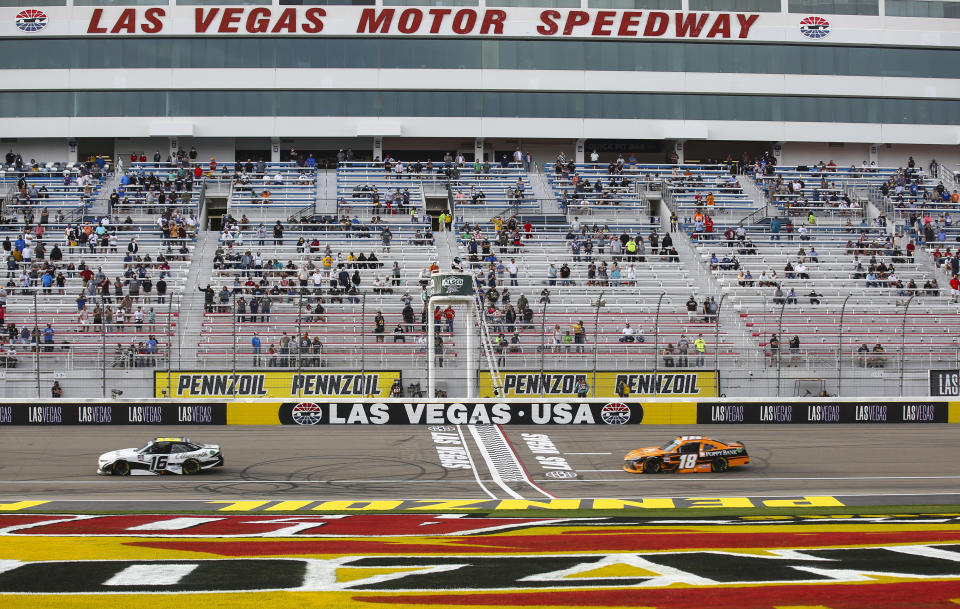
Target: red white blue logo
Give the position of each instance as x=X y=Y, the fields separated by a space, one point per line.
x=31 y=20
x=814 y=27
x=615 y=413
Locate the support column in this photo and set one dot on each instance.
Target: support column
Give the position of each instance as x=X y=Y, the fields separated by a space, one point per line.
x=172 y=148
x=678 y=149
x=72 y=150
x=378 y=147
x=579 y=155
x=274 y=151
x=874 y=154
x=478 y=149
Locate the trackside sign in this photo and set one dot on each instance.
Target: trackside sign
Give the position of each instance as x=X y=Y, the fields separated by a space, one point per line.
x=383 y=21
x=461 y=413
x=255 y=384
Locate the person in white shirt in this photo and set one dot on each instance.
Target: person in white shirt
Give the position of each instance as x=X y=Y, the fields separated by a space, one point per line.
x=594 y=157
x=627 y=332
x=514 y=270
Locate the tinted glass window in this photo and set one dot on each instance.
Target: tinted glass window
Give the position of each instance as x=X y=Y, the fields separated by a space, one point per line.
x=417 y=53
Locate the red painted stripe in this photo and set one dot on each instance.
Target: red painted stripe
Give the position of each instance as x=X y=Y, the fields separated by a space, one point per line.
x=359 y=525
x=612 y=541
x=909 y=595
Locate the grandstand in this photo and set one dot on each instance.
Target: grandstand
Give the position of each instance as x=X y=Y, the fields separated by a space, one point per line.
x=772 y=199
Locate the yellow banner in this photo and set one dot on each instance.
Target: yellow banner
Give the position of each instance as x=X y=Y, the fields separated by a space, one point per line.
x=255 y=384
x=552 y=383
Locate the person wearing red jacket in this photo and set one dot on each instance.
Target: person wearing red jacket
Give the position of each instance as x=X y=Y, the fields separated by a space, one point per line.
x=448 y=315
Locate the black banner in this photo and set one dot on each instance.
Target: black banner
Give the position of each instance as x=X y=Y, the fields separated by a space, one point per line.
x=85 y=413
x=945 y=383
x=751 y=413
x=457 y=413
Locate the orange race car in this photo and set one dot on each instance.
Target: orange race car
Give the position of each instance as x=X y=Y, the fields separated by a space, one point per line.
x=686 y=454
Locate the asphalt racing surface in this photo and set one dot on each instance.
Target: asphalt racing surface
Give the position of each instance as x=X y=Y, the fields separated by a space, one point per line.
x=465 y=462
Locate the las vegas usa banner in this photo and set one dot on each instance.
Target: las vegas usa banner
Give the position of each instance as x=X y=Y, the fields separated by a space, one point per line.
x=374 y=21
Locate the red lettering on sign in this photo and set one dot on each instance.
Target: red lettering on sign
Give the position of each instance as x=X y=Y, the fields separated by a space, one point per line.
x=604 y=20
x=721 y=27
x=314 y=22
x=287 y=22
x=438 y=15
x=127 y=22
x=549 y=27
x=202 y=21
x=94 y=26
x=154 y=24
x=464 y=21
x=258 y=20
x=656 y=24
x=574 y=19
x=230 y=20
x=690 y=25
x=746 y=22
x=493 y=19
x=375 y=23
x=410 y=20
x=628 y=21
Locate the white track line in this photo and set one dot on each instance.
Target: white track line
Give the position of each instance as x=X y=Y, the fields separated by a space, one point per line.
x=491 y=466
x=586 y=470
x=473 y=466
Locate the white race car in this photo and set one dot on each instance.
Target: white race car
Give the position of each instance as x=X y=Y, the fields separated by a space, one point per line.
x=161 y=456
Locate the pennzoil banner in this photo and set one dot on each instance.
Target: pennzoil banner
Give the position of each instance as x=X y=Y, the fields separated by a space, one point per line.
x=257 y=384
x=552 y=383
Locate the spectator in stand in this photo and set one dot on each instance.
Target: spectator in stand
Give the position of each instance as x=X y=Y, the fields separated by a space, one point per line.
x=255 y=343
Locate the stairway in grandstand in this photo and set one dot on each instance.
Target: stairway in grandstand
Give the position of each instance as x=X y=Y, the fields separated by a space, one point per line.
x=192 y=305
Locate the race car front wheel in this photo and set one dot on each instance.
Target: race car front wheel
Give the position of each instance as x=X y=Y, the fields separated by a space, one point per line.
x=120 y=468
x=720 y=464
x=191 y=466
x=652 y=466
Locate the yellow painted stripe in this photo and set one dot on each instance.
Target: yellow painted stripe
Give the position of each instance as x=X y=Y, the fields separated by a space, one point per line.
x=19 y=505
x=239 y=506
x=287 y=506
x=253 y=413
x=953 y=412
x=669 y=413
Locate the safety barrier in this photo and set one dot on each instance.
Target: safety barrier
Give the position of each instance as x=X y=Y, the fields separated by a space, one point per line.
x=477 y=412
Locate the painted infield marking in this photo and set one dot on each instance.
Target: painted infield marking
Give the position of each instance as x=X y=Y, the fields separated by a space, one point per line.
x=174 y=524
x=514 y=474
x=156 y=574
x=473 y=465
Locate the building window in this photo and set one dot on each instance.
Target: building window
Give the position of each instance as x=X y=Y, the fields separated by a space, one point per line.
x=923 y=8
x=836 y=7
x=746 y=6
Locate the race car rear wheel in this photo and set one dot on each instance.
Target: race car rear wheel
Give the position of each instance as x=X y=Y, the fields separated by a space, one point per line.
x=720 y=464
x=190 y=467
x=120 y=468
x=652 y=466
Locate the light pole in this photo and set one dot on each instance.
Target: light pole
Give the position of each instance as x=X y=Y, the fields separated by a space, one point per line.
x=656 y=340
x=543 y=318
x=903 y=339
x=599 y=302
x=843 y=310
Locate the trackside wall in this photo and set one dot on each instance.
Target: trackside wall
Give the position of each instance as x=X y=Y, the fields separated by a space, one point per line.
x=481 y=412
